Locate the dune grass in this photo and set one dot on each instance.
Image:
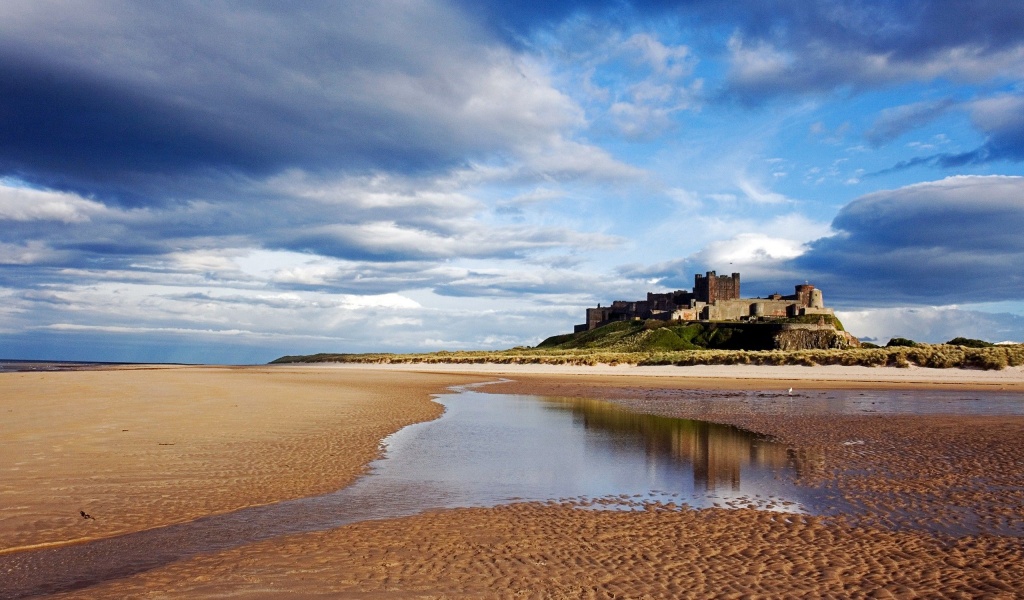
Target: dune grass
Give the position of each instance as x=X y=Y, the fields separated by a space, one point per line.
x=937 y=356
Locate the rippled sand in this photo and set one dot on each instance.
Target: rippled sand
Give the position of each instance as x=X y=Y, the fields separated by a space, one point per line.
x=537 y=551
x=915 y=480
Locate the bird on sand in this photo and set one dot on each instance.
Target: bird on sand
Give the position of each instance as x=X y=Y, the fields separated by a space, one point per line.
x=86 y=515
x=790 y=391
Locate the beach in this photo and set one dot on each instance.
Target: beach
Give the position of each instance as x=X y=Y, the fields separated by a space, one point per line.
x=137 y=448
x=140 y=448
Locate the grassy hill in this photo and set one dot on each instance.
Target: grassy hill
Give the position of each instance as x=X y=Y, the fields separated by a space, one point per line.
x=668 y=336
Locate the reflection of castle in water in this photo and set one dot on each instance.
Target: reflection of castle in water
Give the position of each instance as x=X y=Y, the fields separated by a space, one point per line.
x=717 y=452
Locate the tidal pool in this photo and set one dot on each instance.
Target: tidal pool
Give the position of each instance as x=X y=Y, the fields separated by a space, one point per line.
x=494 y=448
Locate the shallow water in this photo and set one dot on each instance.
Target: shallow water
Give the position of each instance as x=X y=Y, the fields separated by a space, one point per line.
x=491 y=448
x=487 y=449
x=19 y=366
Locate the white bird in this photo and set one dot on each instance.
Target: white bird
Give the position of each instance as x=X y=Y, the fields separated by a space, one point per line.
x=790 y=391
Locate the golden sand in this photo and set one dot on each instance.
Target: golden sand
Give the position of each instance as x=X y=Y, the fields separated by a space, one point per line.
x=911 y=472
x=139 y=448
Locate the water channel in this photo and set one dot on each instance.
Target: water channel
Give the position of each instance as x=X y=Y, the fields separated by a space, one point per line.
x=486 y=450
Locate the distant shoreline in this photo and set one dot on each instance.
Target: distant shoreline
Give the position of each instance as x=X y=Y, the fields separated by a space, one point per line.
x=9 y=365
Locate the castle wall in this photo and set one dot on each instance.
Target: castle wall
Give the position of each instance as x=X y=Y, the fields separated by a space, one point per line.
x=714 y=298
x=734 y=310
x=669 y=301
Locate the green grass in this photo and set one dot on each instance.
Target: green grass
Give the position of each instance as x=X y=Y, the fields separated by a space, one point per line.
x=669 y=336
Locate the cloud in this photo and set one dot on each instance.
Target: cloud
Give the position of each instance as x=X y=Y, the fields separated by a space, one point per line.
x=29 y=253
x=757 y=257
x=554 y=283
x=1000 y=119
x=781 y=48
x=381 y=217
x=952 y=241
x=758 y=194
x=159 y=322
x=956 y=240
x=141 y=103
x=25 y=204
x=784 y=48
x=390 y=241
x=894 y=122
x=631 y=83
x=932 y=324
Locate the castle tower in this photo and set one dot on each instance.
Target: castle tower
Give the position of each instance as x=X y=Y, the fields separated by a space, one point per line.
x=817 y=300
x=803 y=294
x=711 y=287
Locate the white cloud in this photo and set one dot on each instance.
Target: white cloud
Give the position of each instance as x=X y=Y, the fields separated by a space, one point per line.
x=123 y=329
x=932 y=324
x=747 y=248
x=369 y=192
x=27 y=204
x=564 y=159
x=759 y=194
x=29 y=253
x=756 y=62
x=1000 y=112
x=353 y=302
x=673 y=61
x=630 y=84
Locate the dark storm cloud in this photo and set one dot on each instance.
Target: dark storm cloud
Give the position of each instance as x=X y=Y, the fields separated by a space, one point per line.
x=951 y=241
x=789 y=47
x=118 y=99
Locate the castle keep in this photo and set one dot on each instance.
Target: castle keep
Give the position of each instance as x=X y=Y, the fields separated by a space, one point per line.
x=714 y=298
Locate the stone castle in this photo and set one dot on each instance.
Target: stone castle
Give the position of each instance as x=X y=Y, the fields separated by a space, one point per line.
x=714 y=298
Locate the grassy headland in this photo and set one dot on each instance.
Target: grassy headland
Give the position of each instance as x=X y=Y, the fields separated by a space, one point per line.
x=661 y=343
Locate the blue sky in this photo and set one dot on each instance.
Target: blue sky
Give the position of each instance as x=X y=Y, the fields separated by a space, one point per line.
x=233 y=181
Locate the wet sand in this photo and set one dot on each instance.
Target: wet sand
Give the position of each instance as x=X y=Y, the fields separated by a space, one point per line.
x=731 y=376
x=915 y=482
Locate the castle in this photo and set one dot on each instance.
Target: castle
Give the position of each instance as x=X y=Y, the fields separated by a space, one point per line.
x=714 y=298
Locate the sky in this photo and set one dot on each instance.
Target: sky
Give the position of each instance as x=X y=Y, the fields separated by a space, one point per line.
x=229 y=182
